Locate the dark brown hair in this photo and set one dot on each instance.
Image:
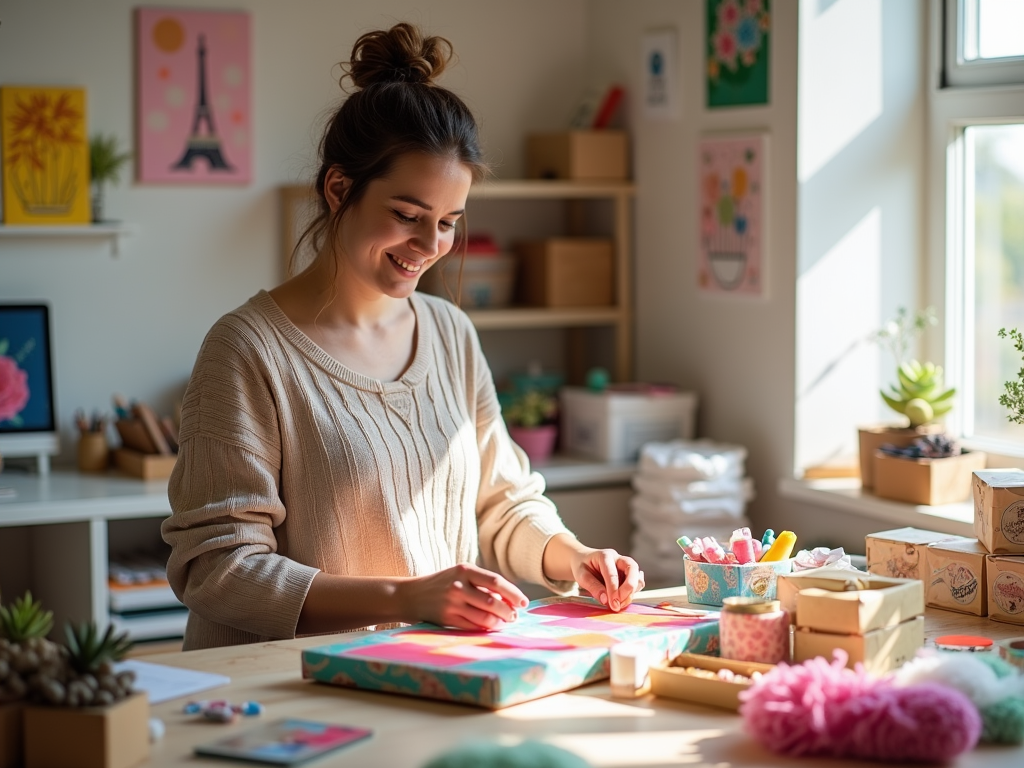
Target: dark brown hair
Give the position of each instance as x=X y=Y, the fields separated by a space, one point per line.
x=395 y=109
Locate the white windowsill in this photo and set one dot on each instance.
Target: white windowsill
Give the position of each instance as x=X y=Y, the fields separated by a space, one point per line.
x=846 y=495
x=563 y=472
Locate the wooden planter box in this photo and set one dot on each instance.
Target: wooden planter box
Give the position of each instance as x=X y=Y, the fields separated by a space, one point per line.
x=873 y=438
x=89 y=737
x=926 y=481
x=10 y=734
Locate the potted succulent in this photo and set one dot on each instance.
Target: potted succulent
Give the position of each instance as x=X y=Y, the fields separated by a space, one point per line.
x=105 y=163
x=1013 y=397
x=531 y=418
x=918 y=396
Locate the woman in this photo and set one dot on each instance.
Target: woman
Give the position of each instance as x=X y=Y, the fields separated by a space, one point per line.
x=343 y=461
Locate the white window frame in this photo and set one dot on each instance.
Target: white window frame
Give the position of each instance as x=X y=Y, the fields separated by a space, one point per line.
x=949 y=283
x=964 y=72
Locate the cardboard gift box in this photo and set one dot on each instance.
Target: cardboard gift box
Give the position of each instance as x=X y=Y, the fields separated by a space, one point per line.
x=874 y=603
x=955 y=576
x=789 y=585
x=900 y=552
x=672 y=680
x=97 y=737
x=879 y=650
x=926 y=481
x=578 y=156
x=999 y=510
x=1005 y=588
x=566 y=272
x=710 y=583
x=556 y=644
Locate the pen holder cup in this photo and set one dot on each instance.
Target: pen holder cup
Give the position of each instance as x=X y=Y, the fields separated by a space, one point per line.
x=93 y=452
x=710 y=583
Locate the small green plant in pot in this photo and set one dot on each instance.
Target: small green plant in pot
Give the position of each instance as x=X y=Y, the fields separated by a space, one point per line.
x=1013 y=398
x=105 y=163
x=530 y=417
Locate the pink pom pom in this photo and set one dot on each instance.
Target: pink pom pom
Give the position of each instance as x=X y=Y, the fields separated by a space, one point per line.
x=817 y=708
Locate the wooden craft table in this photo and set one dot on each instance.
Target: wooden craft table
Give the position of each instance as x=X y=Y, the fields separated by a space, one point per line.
x=408 y=732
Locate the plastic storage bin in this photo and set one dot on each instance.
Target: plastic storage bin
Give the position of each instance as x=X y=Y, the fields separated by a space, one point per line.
x=613 y=426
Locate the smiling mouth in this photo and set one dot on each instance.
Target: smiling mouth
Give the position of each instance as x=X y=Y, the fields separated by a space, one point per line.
x=406 y=266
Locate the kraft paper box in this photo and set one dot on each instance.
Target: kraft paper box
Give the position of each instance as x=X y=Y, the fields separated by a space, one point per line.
x=1005 y=588
x=875 y=603
x=900 y=552
x=999 y=510
x=954 y=576
x=879 y=651
x=578 y=155
x=672 y=680
x=556 y=644
x=789 y=585
x=710 y=583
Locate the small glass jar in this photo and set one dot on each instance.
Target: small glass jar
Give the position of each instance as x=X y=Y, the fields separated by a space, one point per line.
x=752 y=629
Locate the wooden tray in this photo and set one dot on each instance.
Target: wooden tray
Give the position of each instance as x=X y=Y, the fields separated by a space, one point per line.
x=148 y=466
x=672 y=681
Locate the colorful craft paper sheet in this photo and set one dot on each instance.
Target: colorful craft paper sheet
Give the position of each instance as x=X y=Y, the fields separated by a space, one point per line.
x=45 y=156
x=194 y=96
x=557 y=644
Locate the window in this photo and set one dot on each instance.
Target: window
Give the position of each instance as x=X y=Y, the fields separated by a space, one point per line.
x=984 y=44
x=982 y=161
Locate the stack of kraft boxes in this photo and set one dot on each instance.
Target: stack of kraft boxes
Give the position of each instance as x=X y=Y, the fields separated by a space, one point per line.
x=983 y=576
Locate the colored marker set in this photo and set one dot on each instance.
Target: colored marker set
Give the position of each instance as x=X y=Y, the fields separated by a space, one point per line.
x=743 y=549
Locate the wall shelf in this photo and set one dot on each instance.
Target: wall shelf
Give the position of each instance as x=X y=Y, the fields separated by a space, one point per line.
x=112 y=231
x=534 y=317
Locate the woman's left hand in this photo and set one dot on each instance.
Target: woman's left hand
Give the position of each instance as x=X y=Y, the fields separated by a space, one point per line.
x=609 y=577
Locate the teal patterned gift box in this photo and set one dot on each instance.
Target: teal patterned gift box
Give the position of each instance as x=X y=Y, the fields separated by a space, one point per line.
x=709 y=583
x=556 y=645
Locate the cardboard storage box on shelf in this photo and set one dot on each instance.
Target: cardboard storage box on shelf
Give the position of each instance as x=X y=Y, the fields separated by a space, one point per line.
x=477 y=281
x=148 y=466
x=926 y=481
x=999 y=510
x=612 y=426
x=578 y=156
x=879 y=650
x=1005 y=575
x=900 y=552
x=954 y=574
x=710 y=583
x=873 y=603
x=671 y=680
x=566 y=272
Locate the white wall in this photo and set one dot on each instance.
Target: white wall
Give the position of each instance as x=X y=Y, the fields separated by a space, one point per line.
x=134 y=324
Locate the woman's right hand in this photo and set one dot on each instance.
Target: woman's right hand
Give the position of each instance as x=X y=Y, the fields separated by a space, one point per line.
x=464 y=596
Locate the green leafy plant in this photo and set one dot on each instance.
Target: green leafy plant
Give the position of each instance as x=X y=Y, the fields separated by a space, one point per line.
x=25 y=653
x=106 y=159
x=531 y=409
x=24 y=619
x=88 y=650
x=1013 y=398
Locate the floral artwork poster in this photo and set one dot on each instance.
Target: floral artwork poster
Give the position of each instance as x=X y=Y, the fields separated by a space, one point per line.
x=26 y=385
x=737 y=52
x=45 y=156
x=194 y=104
x=731 y=249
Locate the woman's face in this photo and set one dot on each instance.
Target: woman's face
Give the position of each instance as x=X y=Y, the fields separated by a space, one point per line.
x=403 y=224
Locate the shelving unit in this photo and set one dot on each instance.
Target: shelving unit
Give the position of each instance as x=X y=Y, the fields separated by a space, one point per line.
x=112 y=231
x=295 y=206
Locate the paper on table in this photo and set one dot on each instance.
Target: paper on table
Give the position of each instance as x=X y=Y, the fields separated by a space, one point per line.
x=163 y=683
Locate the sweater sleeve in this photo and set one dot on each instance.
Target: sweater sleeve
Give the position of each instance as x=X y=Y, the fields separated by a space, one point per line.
x=224 y=495
x=514 y=518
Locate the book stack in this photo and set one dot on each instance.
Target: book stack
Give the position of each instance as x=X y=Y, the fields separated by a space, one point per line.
x=685 y=488
x=142 y=602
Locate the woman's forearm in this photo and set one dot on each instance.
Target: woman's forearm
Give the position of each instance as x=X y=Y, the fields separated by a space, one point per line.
x=558 y=557
x=337 y=603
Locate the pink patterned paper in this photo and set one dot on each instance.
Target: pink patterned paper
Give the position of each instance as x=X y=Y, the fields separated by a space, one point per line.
x=194 y=105
x=761 y=637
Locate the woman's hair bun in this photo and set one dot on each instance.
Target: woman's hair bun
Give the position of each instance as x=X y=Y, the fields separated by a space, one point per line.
x=399 y=54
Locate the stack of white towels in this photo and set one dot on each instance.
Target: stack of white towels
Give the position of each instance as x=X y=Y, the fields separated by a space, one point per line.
x=685 y=488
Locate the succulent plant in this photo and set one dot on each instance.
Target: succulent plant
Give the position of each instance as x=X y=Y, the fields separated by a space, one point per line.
x=531 y=409
x=920 y=396
x=24 y=619
x=24 y=649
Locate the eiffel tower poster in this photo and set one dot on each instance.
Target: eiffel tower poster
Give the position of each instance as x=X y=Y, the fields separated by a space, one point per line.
x=194 y=101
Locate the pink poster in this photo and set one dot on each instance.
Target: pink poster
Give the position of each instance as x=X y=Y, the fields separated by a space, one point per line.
x=194 y=117
x=732 y=215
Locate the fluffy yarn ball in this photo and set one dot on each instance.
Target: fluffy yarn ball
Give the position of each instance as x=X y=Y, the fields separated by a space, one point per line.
x=822 y=708
x=528 y=754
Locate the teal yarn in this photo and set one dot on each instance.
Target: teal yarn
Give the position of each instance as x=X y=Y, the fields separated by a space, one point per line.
x=1002 y=722
x=1001 y=667
x=528 y=754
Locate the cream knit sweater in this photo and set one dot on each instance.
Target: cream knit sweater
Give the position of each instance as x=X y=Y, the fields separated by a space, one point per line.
x=290 y=463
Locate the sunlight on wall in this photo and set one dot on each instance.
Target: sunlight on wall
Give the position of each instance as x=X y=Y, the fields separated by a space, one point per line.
x=840 y=78
x=660 y=748
x=838 y=304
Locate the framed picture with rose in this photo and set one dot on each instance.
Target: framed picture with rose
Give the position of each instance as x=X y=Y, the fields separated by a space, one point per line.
x=28 y=421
